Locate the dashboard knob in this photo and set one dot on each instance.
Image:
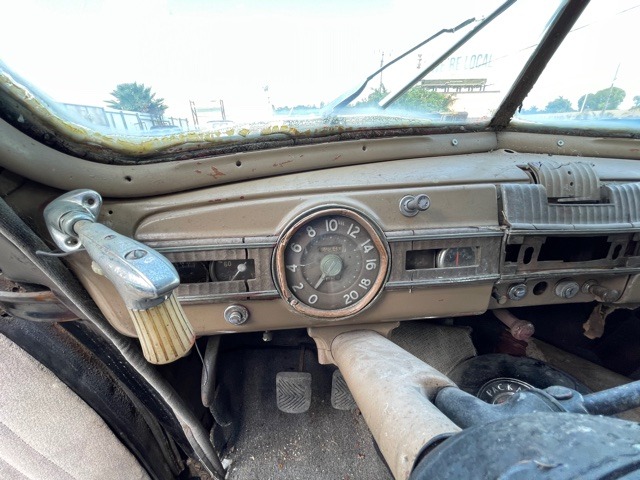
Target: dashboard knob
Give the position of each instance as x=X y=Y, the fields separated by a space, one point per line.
x=517 y=291
x=601 y=293
x=236 y=314
x=410 y=205
x=567 y=289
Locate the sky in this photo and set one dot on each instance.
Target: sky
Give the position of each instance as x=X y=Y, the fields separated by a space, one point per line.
x=254 y=53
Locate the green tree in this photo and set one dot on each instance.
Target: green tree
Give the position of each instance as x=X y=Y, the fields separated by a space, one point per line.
x=530 y=111
x=605 y=99
x=559 y=105
x=416 y=98
x=636 y=101
x=137 y=98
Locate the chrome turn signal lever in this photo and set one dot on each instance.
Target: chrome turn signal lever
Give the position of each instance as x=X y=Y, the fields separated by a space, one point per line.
x=144 y=278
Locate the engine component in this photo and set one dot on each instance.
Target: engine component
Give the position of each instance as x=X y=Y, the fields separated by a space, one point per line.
x=143 y=277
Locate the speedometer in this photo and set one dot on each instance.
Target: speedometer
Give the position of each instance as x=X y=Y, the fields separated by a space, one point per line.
x=331 y=263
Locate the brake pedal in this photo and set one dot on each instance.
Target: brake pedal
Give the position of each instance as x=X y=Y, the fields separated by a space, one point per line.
x=341 y=398
x=293 y=391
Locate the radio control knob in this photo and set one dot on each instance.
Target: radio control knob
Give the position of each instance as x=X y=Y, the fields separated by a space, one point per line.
x=567 y=289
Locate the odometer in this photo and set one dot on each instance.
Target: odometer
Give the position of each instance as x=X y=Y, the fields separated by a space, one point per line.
x=331 y=263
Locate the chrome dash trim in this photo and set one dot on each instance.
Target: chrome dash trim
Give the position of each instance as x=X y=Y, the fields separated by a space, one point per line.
x=223 y=297
x=404 y=284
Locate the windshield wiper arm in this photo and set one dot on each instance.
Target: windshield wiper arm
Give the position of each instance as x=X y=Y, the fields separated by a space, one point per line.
x=392 y=97
x=354 y=94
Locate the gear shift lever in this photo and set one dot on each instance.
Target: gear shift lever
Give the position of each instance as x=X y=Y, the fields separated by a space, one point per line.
x=143 y=277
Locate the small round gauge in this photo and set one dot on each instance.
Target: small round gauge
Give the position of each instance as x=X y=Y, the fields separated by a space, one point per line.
x=457 y=257
x=192 y=272
x=332 y=263
x=230 y=270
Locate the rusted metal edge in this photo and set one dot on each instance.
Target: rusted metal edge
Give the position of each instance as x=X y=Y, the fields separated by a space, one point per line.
x=33 y=126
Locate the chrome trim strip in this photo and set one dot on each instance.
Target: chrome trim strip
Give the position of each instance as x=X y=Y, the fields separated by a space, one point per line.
x=397 y=285
x=435 y=235
x=221 y=246
x=445 y=236
x=569 y=272
x=573 y=232
x=223 y=297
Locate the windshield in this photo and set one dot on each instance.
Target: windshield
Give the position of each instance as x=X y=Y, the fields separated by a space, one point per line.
x=158 y=73
x=592 y=82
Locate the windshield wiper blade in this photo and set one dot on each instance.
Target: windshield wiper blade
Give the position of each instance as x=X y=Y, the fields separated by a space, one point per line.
x=347 y=98
x=392 y=97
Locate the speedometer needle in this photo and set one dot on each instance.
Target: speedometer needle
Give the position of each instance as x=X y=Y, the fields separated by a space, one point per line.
x=319 y=282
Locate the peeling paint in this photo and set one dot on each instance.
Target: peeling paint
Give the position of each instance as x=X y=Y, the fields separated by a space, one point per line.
x=215 y=173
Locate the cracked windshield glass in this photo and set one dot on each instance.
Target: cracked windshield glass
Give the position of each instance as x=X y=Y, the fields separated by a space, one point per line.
x=219 y=71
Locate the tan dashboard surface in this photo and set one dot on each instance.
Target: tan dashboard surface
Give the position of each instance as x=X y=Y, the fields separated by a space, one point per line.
x=244 y=221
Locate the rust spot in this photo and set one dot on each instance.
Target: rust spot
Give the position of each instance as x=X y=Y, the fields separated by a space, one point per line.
x=198 y=163
x=634 y=149
x=241 y=197
x=282 y=164
x=215 y=173
x=198 y=171
x=215 y=200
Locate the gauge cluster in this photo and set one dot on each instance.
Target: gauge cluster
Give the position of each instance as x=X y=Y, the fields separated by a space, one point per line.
x=331 y=263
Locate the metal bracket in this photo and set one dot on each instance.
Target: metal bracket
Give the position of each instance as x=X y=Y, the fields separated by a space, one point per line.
x=62 y=214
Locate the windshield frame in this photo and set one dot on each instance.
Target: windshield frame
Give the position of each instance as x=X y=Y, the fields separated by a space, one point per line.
x=30 y=111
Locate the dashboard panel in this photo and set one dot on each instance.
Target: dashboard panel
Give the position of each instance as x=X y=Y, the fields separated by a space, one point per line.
x=513 y=234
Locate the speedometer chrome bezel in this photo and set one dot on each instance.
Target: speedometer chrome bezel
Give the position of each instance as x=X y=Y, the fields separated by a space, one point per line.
x=279 y=271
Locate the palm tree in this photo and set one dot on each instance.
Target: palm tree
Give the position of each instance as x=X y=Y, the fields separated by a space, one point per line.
x=137 y=98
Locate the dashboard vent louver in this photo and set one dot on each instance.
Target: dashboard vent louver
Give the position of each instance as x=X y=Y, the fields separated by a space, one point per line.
x=526 y=207
x=567 y=182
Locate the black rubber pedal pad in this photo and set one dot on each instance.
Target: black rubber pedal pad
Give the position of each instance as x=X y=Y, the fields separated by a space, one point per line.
x=293 y=391
x=341 y=398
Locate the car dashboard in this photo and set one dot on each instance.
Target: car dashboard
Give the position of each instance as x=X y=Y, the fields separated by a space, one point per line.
x=388 y=241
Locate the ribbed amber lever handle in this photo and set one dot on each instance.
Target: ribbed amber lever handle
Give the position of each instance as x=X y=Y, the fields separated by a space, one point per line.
x=165 y=333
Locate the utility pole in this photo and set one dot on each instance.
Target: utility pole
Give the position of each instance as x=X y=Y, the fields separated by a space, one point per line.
x=606 y=104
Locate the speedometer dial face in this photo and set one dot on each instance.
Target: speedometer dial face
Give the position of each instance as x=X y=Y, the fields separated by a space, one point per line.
x=332 y=263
